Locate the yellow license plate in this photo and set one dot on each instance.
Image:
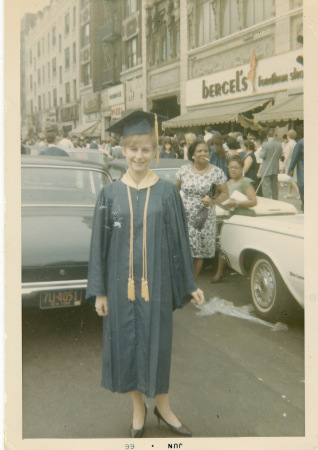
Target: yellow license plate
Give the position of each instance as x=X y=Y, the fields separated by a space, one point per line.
x=60 y=299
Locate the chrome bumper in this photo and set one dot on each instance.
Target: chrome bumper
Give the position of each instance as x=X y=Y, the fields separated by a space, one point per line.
x=34 y=288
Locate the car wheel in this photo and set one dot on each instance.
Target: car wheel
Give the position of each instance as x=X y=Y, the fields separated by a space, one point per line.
x=271 y=297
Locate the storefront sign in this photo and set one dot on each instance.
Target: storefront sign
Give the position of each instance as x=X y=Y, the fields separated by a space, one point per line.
x=259 y=77
x=116 y=111
x=91 y=103
x=134 y=93
x=69 y=113
x=116 y=95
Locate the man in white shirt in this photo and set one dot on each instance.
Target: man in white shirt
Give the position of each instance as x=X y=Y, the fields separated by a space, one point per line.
x=207 y=133
x=66 y=143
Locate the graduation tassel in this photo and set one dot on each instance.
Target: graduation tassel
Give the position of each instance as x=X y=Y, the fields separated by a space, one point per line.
x=144 y=289
x=157 y=138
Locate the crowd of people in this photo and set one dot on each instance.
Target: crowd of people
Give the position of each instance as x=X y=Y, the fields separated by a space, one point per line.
x=267 y=161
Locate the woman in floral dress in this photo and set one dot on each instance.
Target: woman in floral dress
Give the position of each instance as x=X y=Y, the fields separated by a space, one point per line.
x=195 y=181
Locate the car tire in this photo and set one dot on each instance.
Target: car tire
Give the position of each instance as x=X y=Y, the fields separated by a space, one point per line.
x=271 y=297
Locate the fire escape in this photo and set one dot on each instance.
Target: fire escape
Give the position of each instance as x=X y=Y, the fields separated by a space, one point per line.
x=110 y=35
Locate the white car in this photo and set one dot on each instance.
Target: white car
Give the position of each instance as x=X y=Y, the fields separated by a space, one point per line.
x=271 y=249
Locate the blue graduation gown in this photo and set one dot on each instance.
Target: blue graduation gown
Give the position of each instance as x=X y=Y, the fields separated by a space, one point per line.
x=137 y=334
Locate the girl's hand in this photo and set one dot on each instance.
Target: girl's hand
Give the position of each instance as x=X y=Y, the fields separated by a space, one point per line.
x=101 y=305
x=197 y=297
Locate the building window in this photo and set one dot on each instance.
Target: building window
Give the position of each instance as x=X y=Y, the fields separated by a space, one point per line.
x=48 y=70
x=86 y=74
x=295 y=4
x=256 y=11
x=42 y=46
x=61 y=100
x=131 y=52
x=229 y=17
x=74 y=90
x=67 y=23
x=74 y=16
x=67 y=58
x=39 y=76
x=205 y=23
x=31 y=106
x=31 y=82
x=53 y=35
x=55 y=97
x=48 y=42
x=39 y=103
x=39 y=49
x=31 y=58
x=85 y=35
x=43 y=98
x=67 y=92
x=34 y=88
x=74 y=52
x=49 y=99
x=54 y=67
x=163 y=39
x=60 y=43
x=131 y=7
x=60 y=74
x=43 y=74
x=84 y=3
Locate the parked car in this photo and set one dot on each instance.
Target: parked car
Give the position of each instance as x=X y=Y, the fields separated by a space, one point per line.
x=58 y=200
x=271 y=250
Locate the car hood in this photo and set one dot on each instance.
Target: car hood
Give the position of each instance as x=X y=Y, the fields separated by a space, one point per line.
x=55 y=235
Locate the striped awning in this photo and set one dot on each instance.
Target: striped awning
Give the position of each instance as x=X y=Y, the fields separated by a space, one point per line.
x=216 y=113
x=87 y=129
x=290 y=109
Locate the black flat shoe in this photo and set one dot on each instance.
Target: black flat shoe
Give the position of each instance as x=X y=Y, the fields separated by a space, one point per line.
x=216 y=280
x=137 y=433
x=183 y=431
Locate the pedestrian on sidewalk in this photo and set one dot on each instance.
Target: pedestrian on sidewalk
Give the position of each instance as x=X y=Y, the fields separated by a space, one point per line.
x=140 y=270
x=270 y=153
x=297 y=160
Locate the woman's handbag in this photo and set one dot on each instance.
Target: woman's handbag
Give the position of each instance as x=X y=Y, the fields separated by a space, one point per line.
x=200 y=218
x=203 y=212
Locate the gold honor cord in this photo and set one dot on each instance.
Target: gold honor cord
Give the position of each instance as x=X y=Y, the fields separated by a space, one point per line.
x=144 y=280
x=131 y=283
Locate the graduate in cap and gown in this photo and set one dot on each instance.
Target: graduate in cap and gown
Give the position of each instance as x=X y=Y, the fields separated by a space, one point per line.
x=140 y=271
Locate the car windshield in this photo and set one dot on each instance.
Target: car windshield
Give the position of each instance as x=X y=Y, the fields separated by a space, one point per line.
x=61 y=186
x=166 y=174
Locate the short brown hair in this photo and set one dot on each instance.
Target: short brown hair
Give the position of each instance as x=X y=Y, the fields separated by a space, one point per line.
x=236 y=158
x=130 y=140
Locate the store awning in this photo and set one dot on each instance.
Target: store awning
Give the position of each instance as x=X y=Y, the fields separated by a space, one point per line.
x=87 y=129
x=290 y=109
x=216 y=113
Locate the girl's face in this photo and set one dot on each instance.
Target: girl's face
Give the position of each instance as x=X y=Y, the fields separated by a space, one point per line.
x=235 y=170
x=168 y=146
x=201 y=154
x=139 y=151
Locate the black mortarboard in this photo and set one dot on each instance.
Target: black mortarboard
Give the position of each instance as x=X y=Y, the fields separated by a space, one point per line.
x=136 y=122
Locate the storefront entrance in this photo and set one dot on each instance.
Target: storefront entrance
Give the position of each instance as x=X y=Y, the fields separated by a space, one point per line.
x=166 y=107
